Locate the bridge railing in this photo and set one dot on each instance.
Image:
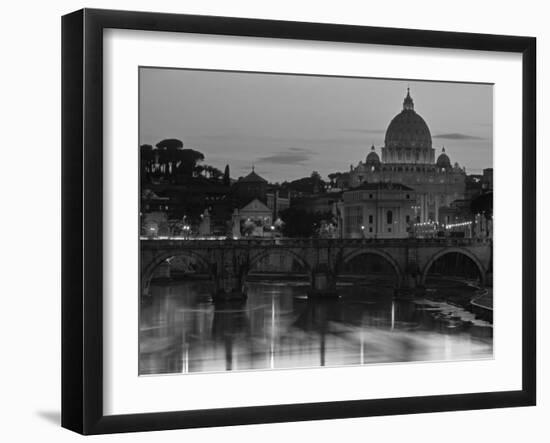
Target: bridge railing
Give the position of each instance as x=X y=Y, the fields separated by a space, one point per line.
x=164 y=242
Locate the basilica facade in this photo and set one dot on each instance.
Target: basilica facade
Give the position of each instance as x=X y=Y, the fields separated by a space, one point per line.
x=409 y=159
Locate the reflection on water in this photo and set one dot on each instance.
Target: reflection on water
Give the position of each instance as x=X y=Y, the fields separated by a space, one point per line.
x=182 y=331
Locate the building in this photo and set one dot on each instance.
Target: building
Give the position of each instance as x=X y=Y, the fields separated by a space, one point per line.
x=408 y=158
x=487 y=180
x=474 y=186
x=152 y=202
x=254 y=219
x=188 y=200
x=257 y=206
x=457 y=212
x=379 y=210
x=154 y=224
x=278 y=200
x=248 y=188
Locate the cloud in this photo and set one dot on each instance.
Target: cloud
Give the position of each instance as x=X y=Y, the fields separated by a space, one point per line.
x=457 y=136
x=288 y=156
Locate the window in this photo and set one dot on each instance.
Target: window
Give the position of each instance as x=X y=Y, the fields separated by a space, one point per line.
x=370 y=195
x=370 y=229
x=407 y=218
x=389 y=229
x=408 y=196
x=371 y=218
x=389 y=218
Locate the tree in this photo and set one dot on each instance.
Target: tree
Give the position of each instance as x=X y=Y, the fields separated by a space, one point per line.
x=308 y=185
x=226 y=178
x=483 y=204
x=248 y=227
x=187 y=161
x=169 y=144
x=213 y=172
x=146 y=160
x=168 y=154
x=316 y=182
x=334 y=178
x=174 y=160
x=300 y=223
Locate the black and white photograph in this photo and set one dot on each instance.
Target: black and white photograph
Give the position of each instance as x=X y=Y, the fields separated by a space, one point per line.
x=301 y=221
x=275 y=221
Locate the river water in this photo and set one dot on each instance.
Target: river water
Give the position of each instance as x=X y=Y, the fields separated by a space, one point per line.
x=183 y=331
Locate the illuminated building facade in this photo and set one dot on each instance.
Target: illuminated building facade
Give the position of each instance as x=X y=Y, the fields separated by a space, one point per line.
x=378 y=210
x=408 y=158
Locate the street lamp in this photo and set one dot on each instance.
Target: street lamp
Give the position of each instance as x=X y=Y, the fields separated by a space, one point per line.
x=186 y=229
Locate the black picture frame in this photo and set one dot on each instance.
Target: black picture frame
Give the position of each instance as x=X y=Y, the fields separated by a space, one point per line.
x=82 y=215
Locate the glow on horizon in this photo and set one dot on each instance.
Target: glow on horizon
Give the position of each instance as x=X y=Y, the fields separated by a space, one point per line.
x=286 y=126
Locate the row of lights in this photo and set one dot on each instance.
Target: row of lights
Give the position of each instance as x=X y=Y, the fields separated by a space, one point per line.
x=176 y=237
x=453 y=225
x=186 y=228
x=457 y=225
x=428 y=223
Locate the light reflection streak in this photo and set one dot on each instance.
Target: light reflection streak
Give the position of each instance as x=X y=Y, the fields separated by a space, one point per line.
x=392 y=315
x=362 y=352
x=181 y=330
x=272 y=339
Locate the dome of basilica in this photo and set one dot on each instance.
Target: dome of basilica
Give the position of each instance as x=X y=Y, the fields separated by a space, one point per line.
x=373 y=157
x=443 y=161
x=408 y=129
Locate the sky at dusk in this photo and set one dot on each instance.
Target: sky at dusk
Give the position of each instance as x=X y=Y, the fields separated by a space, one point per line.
x=287 y=126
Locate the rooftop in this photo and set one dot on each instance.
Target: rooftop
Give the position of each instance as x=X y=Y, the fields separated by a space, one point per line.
x=252 y=178
x=380 y=186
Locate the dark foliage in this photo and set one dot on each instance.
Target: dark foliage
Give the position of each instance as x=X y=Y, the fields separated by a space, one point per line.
x=226 y=178
x=483 y=204
x=300 y=223
x=307 y=185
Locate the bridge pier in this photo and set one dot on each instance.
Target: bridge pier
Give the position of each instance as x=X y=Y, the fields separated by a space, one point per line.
x=323 y=282
x=229 y=272
x=411 y=283
x=229 y=288
x=412 y=278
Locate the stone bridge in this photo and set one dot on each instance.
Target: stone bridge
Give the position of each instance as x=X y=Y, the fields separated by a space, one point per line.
x=229 y=261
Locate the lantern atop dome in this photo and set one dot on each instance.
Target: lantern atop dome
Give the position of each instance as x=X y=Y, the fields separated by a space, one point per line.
x=408 y=104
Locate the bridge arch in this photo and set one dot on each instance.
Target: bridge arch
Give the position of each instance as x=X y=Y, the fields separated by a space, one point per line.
x=451 y=250
x=157 y=260
x=372 y=251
